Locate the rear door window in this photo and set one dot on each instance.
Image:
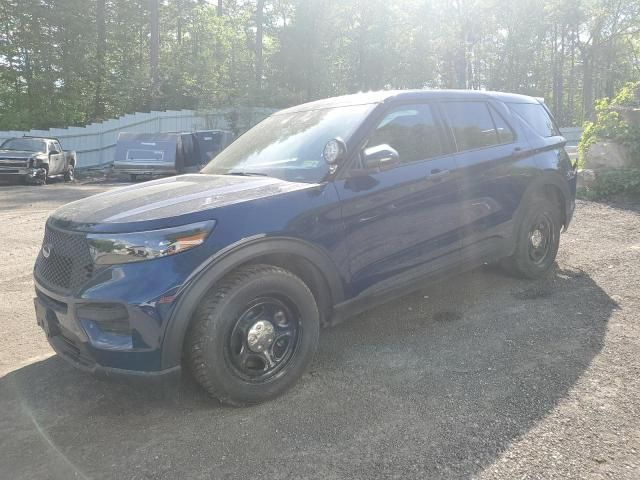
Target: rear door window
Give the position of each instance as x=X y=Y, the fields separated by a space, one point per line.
x=471 y=124
x=412 y=130
x=505 y=134
x=537 y=117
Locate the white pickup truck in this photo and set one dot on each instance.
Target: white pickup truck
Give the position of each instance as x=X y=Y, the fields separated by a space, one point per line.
x=35 y=159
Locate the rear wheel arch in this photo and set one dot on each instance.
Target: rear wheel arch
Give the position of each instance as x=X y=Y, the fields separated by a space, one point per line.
x=313 y=266
x=548 y=186
x=554 y=193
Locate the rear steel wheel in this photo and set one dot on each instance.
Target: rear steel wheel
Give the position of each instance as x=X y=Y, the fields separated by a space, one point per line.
x=541 y=234
x=537 y=239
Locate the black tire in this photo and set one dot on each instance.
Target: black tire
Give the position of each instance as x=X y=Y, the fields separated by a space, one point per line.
x=133 y=177
x=45 y=178
x=537 y=241
x=69 y=175
x=218 y=346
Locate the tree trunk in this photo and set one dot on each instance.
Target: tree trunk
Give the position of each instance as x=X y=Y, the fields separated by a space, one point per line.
x=98 y=104
x=154 y=51
x=179 y=21
x=558 y=73
x=587 y=87
x=561 y=113
x=258 y=49
x=219 y=8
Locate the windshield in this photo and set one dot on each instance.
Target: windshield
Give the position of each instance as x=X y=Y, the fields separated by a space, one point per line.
x=25 y=144
x=289 y=145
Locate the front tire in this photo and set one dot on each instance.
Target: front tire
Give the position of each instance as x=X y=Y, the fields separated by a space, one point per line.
x=44 y=178
x=537 y=240
x=253 y=335
x=69 y=175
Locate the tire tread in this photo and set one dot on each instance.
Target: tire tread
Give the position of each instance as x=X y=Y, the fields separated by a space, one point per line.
x=205 y=314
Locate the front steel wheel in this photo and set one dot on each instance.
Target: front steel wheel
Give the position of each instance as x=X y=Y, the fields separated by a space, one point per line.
x=253 y=335
x=264 y=339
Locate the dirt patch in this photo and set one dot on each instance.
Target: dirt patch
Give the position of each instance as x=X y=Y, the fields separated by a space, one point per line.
x=486 y=377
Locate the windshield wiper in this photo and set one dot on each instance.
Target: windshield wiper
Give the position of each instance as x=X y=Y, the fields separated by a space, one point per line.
x=248 y=174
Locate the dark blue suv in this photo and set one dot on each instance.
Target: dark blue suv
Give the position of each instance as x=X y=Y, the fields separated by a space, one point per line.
x=314 y=214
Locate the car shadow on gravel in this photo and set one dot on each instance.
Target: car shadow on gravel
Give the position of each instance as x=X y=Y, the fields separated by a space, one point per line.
x=435 y=384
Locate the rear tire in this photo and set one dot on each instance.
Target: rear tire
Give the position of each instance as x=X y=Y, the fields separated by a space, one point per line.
x=537 y=240
x=253 y=335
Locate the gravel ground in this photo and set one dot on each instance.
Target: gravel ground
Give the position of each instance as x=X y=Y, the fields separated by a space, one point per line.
x=481 y=376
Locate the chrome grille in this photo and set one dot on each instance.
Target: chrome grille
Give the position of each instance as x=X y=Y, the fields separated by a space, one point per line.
x=69 y=264
x=13 y=162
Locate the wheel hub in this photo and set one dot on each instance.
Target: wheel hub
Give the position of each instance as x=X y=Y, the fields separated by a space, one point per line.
x=260 y=336
x=536 y=238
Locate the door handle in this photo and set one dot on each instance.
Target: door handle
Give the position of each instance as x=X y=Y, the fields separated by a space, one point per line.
x=437 y=174
x=518 y=153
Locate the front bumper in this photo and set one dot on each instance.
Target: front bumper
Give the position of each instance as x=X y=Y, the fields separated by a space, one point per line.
x=110 y=320
x=31 y=173
x=144 y=169
x=69 y=353
x=69 y=337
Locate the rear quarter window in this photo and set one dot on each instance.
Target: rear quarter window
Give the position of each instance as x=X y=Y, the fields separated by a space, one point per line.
x=537 y=117
x=472 y=124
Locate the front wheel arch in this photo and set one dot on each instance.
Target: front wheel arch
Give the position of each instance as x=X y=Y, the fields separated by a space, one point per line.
x=257 y=250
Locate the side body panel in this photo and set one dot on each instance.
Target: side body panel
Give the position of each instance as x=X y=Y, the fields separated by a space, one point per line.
x=399 y=220
x=364 y=233
x=493 y=181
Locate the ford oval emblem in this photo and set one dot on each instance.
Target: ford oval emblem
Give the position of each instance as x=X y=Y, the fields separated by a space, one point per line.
x=46 y=250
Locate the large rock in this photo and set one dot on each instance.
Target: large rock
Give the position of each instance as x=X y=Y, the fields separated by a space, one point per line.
x=605 y=155
x=586 y=178
x=631 y=116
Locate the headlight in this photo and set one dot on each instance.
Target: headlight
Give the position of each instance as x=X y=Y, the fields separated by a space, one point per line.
x=112 y=249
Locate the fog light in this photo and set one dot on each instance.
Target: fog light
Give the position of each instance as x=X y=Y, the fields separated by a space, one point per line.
x=106 y=324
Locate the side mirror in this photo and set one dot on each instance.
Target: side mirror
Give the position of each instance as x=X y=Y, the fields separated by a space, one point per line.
x=380 y=157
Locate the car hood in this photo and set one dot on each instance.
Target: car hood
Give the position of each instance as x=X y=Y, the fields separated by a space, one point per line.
x=17 y=154
x=141 y=206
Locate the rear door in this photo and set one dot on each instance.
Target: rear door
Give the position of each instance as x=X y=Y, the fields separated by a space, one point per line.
x=490 y=181
x=190 y=154
x=401 y=223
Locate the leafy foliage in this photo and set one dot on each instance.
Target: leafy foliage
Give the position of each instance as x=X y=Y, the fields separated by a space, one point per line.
x=610 y=126
x=68 y=62
x=623 y=181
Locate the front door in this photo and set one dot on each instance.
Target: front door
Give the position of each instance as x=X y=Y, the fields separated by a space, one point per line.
x=56 y=158
x=402 y=222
